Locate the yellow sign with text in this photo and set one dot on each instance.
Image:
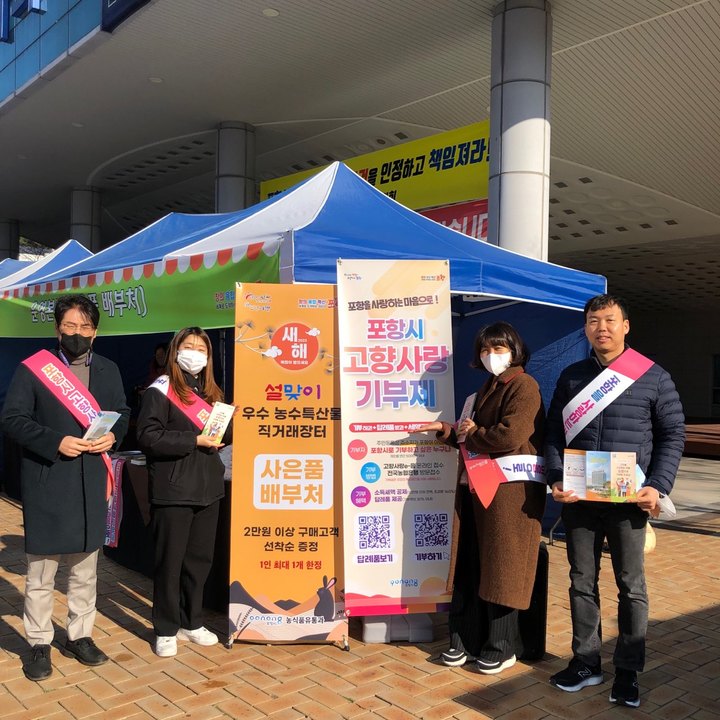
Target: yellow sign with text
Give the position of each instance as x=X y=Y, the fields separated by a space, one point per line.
x=286 y=579
x=442 y=169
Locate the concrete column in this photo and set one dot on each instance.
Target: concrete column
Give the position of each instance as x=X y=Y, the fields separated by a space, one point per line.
x=235 y=167
x=520 y=127
x=85 y=209
x=9 y=239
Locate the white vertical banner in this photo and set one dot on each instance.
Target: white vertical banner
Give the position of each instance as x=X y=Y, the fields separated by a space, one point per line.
x=398 y=485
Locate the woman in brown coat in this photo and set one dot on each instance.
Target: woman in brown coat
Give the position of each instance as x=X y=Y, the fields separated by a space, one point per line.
x=495 y=549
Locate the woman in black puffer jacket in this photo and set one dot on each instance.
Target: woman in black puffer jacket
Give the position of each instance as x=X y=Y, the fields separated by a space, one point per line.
x=186 y=486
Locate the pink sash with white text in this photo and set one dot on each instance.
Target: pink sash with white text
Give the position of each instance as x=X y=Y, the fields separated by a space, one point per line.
x=603 y=390
x=71 y=394
x=197 y=412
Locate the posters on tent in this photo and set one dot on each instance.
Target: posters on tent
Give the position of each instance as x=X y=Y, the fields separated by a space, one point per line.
x=286 y=530
x=143 y=299
x=398 y=485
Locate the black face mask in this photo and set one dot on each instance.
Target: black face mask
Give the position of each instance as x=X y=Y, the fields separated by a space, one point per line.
x=75 y=345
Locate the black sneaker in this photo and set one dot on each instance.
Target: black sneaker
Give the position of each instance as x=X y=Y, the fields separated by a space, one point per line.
x=85 y=651
x=625 y=689
x=493 y=667
x=38 y=667
x=576 y=676
x=454 y=657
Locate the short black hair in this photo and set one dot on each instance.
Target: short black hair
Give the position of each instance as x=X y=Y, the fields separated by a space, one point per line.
x=599 y=302
x=82 y=302
x=500 y=333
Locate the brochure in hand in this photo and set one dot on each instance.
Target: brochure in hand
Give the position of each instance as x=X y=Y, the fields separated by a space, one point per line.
x=602 y=476
x=101 y=425
x=467 y=412
x=217 y=423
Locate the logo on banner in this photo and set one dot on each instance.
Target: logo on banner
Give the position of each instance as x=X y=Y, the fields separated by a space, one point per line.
x=294 y=346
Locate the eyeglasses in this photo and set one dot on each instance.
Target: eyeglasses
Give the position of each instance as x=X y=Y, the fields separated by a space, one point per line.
x=72 y=328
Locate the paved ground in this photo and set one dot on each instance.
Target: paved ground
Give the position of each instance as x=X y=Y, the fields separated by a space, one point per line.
x=394 y=681
x=697 y=493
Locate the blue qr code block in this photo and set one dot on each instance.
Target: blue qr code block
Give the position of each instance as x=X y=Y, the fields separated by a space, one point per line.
x=374 y=532
x=431 y=530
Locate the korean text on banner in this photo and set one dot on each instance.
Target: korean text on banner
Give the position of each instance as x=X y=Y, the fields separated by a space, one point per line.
x=144 y=298
x=398 y=485
x=286 y=536
x=443 y=169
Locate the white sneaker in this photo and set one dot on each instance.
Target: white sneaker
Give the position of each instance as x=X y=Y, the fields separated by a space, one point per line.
x=201 y=636
x=165 y=645
x=493 y=667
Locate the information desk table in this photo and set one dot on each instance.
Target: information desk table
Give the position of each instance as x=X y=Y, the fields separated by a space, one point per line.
x=135 y=542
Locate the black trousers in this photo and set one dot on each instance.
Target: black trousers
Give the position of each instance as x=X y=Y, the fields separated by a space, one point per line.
x=587 y=524
x=502 y=633
x=184 y=545
x=480 y=628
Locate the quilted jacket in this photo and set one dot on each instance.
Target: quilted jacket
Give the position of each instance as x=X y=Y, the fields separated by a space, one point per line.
x=646 y=419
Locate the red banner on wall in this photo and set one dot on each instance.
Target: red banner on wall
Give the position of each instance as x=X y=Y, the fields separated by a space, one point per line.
x=469 y=218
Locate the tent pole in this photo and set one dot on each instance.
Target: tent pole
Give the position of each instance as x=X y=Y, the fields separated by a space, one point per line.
x=222 y=348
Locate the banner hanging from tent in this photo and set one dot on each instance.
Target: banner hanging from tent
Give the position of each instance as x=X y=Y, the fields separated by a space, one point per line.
x=286 y=530
x=157 y=297
x=398 y=485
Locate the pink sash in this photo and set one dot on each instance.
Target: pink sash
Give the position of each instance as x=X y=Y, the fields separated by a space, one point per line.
x=72 y=395
x=602 y=390
x=197 y=412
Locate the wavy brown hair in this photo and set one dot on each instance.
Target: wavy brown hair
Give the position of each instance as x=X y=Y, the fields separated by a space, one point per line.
x=209 y=388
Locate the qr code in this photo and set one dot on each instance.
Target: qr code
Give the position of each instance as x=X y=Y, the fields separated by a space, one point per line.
x=431 y=529
x=374 y=532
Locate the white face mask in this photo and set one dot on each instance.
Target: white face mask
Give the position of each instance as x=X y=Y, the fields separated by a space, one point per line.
x=497 y=363
x=192 y=361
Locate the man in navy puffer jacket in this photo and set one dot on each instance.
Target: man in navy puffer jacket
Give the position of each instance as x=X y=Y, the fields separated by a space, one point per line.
x=646 y=418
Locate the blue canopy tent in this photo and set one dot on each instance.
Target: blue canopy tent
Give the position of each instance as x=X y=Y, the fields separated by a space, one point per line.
x=336 y=214
x=63 y=257
x=10 y=266
x=172 y=232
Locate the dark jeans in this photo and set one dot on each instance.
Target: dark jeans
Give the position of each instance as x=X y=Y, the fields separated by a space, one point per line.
x=587 y=524
x=184 y=546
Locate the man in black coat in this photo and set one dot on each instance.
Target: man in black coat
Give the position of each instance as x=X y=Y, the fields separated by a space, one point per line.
x=646 y=418
x=64 y=483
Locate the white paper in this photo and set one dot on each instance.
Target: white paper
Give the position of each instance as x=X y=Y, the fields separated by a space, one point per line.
x=574 y=474
x=101 y=425
x=467 y=412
